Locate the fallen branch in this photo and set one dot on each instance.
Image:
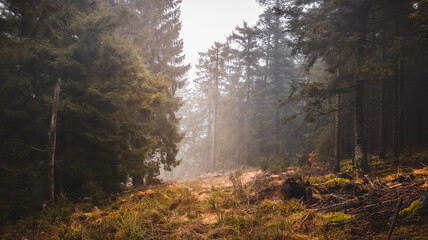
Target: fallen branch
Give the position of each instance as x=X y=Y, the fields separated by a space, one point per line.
x=294 y=207
x=380 y=184
x=307 y=215
x=396 y=185
x=369 y=181
x=394 y=218
x=346 y=204
x=338 y=197
x=419 y=182
x=379 y=204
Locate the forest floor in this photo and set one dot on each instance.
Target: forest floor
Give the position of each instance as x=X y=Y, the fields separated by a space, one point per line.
x=251 y=204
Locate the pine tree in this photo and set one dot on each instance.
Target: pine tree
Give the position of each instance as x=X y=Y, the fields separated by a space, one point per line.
x=116 y=117
x=248 y=54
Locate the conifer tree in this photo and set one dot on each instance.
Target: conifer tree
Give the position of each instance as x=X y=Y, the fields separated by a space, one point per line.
x=116 y=113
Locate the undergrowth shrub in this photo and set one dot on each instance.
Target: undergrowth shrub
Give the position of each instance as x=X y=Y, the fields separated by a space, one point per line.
x=275 y=165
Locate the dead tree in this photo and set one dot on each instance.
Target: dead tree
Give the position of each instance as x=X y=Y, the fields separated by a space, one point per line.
x=52 y=142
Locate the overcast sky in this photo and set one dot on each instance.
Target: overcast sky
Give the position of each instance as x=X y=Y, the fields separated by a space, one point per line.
x=207 y=21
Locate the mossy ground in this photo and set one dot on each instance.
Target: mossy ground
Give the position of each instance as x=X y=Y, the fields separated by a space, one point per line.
x=219 y=208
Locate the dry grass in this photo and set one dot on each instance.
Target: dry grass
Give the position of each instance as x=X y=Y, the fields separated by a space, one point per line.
x=204 y=208
x=211 y=208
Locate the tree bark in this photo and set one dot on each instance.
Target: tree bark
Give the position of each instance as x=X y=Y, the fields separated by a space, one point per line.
x=382 y=99
x=276 y=82
x=52 y=143
x=214 y=134
x=360 y=151
x=247 y=115
x=396 y=110
x=337 y=136
x=382 y=120
x=360 y=154
x=208 y=155
x=247 y=125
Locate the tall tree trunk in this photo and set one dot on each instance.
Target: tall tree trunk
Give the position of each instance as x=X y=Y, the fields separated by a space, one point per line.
x=368 y=111
x=382 y=98
x=337 y=136
x=266 y=73
x=276 y=131
x=208 y=155
x=396 y=91
x=382 y=120
x=276 y=82
x=247 y=107
x=52 y=143
x=214 y=134
x=360 y=151
x=337 y=125
x=214 y=137
x=396 y=110
x=247 y=125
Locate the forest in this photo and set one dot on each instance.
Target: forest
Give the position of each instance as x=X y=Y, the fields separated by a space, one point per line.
x=308 y=124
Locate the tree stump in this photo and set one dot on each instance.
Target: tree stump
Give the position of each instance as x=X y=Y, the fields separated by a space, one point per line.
x=295 y=187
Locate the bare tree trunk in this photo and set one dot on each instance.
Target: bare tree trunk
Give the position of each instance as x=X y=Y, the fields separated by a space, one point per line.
x=360 y=155
x=396 y=111
x=337 y=136
x=382 y=101
x=276 y=81
x=247 y=125
x=247 y=107
x=214 y=136
x=360 y=151
x=52 y=142
x=382 y=120
x=208 y=155
x=368 y=111
x=276 y=131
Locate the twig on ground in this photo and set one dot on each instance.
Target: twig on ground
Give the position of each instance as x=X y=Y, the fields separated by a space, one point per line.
x=307 y=215
x=394 y=218
x=338 y=197
x=380 y=184
x=369 y=181
x=294 y=207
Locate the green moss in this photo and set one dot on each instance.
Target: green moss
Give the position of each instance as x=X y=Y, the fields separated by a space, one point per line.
x=415 y=207
x=337 y=217
x=268 y=207
x=420 y=238
x=336 y=181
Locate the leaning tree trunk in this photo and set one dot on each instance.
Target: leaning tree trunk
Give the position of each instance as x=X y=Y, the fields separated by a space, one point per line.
x=52 y=142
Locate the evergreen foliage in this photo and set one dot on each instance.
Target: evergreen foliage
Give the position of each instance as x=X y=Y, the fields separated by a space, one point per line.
x=117 y=105
x=254 y=68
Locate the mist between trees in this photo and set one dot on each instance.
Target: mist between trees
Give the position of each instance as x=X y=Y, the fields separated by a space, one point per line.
x=343 y=79
x=340 y=78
